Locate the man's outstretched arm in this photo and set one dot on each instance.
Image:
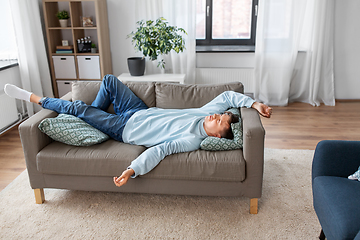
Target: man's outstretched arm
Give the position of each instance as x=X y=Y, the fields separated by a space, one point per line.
x=151 y=157
x=230 y=99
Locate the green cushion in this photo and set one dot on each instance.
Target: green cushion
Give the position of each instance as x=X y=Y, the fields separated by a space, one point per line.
x=72 y=130
x=221 y=144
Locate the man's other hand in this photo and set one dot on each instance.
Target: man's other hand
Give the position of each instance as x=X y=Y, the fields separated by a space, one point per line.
x=263 y=109
x=122 y=180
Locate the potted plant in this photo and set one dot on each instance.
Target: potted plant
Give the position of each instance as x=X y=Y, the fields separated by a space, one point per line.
x=63 y=17
x=154 y=38
x=93 y=48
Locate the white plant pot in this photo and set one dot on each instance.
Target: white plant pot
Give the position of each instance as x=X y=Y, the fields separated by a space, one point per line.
x=63 y=22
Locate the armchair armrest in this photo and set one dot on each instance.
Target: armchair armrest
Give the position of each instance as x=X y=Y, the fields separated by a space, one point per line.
x=336 y=158
x=33 y=140
x=253 y=149
x=357 y=237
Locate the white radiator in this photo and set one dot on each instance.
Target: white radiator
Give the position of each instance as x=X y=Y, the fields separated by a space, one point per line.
x=8 y=111
x=224 y=75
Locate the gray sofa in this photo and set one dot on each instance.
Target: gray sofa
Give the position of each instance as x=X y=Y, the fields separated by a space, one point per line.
x=53 y=164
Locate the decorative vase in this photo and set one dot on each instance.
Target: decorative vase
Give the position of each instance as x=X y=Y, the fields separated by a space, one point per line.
x=63 y=22
x=136 y=66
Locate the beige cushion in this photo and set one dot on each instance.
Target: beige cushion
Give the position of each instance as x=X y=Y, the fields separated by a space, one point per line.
x=201 y=165
x=111 y=158
x=144 y=90
x=180 y=96
x=87 y=91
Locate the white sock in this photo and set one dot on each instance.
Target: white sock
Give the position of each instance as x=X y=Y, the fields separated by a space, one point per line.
x=16 y=92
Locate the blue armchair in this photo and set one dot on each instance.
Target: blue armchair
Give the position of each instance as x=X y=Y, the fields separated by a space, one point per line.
x=336 y=198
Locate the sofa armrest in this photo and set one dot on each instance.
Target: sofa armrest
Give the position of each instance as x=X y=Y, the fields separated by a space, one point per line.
x=336 y=158
x=253 y=148
x=33 y=140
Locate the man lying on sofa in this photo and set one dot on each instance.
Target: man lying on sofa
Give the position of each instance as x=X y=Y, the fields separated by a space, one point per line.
x=163 y=131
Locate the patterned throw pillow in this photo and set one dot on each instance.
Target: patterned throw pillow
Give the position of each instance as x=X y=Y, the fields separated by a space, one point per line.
x=221 y=144
x=355 y=176
x=72 y=130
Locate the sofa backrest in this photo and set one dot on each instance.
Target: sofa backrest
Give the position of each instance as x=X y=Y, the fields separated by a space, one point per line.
x=162 y=95
x=179 y=96
x=87 y=91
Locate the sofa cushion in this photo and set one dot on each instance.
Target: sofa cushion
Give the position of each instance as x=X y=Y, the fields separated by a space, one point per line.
x=144 y=90
x=72 y=130
x=180 y=96
x=336 y=202
x=111 y=158
x=87 y=91
x=201 y=165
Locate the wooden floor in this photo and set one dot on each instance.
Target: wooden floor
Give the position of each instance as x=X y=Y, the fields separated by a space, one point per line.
x=302 y=126
x=12 y=161
x=297 y=126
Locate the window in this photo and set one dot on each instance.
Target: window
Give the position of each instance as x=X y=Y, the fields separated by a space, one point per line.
x=8 y=47
x=226 y=22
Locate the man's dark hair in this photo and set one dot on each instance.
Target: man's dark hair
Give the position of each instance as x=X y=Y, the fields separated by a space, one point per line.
x=233 y=119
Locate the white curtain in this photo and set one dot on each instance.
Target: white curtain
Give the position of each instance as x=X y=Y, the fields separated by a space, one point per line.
x=294 y=52
x=33 y=62
x=180 y=13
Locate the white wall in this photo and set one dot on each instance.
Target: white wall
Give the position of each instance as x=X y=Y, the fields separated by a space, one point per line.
x=121 y=23
x=347 y=51
x=225 y=60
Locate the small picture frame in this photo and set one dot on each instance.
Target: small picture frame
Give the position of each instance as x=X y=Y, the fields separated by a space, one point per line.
x=87 y=22
x=65 y=42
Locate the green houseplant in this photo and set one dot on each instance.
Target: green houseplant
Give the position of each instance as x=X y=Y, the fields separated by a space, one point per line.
x=155 y=38
x=93 y=48
x=63 y=17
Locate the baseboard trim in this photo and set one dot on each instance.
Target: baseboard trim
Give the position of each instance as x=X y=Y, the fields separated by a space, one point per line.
x=347 y=100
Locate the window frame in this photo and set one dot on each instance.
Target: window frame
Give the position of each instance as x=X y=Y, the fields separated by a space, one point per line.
x=208 y=41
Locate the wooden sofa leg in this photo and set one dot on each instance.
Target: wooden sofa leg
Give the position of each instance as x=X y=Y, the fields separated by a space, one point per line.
x=253 y=205
x=39 y=195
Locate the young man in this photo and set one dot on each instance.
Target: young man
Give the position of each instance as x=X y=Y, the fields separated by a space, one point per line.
x=163 y=131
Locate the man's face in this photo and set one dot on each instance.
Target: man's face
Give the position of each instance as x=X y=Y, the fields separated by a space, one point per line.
x=216 y=125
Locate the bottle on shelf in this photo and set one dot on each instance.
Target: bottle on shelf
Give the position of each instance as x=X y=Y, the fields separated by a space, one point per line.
x=84 y=44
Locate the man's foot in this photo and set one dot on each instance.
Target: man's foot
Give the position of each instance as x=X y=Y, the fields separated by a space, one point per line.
x=122 y=180
x=16 y=92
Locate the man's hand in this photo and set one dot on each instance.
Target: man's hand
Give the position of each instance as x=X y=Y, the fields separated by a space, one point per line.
x=122 y=180
x=263 y=109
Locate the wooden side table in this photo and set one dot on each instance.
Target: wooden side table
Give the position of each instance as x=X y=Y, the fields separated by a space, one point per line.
x=167 y=77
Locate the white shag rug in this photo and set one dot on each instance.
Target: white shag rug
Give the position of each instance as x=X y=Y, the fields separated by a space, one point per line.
x=285 y=210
